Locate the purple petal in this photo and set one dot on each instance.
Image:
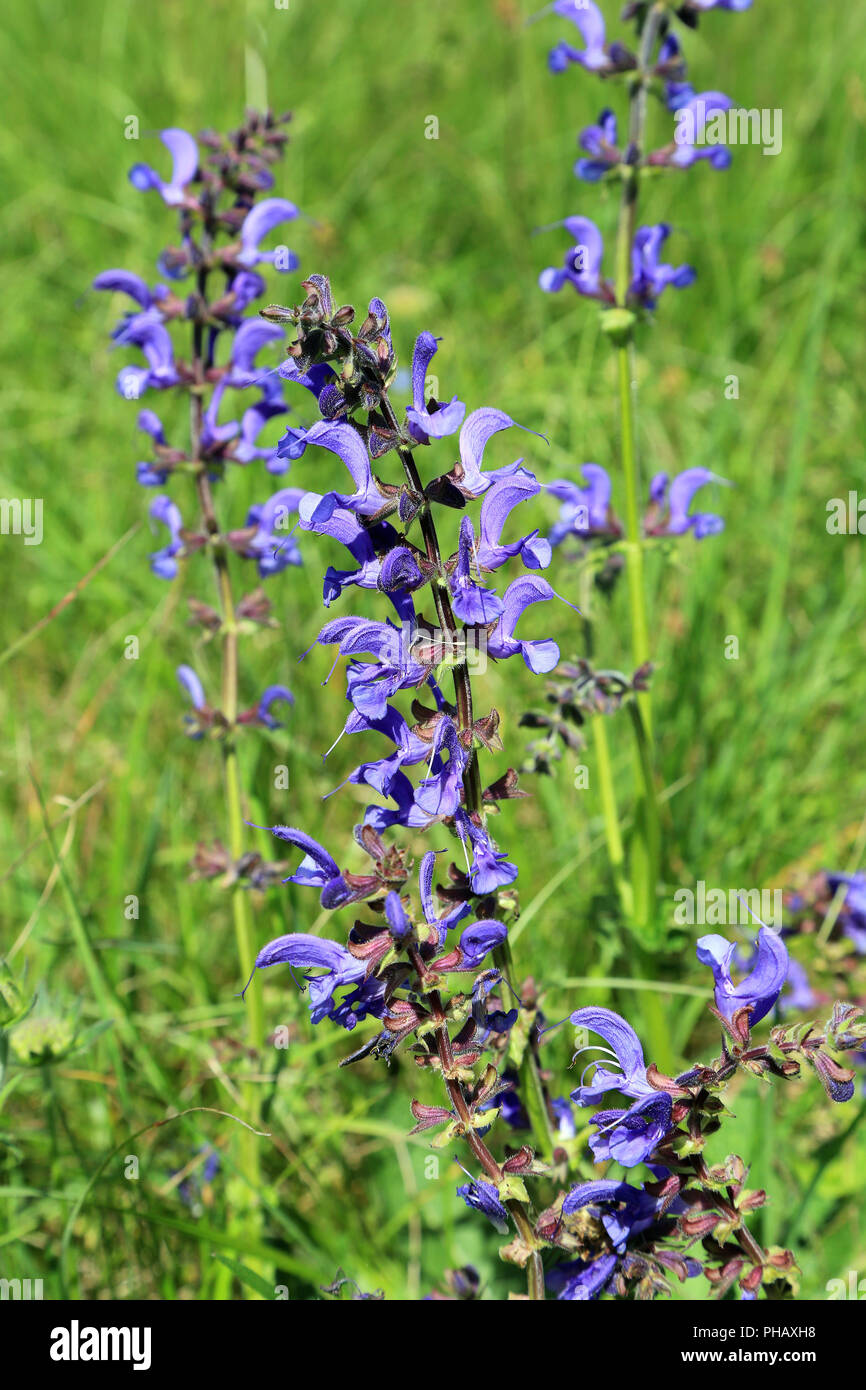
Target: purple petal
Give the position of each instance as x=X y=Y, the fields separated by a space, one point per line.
x=588 y=239
x=250 y=338
x=344 y=441
x=540 y=656
x=478 y=427
x=629 y=1054
x=681 y=492
x=270 y=697
x=436 y=424
x=184 y=155
x=498 y=503
x=396 y=915
x=317 y=866
x=479 y=938
x=761 y=988
x=150 y=423
x=258 y=223
x=425 y=885
x=422 y=355
x=124 y=282
x=192 y=685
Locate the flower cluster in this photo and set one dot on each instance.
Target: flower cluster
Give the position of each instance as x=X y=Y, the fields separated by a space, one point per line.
x=661 y=70
x=220 y=188
x=431 y=965
x=625 y=1240
x=827 y=915
x=833 y=906
x=639 y=273
x=586 y=514
x=389 y=530
x=583 y=261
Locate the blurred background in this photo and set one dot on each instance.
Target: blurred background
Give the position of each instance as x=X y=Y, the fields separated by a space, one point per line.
x=760 y=757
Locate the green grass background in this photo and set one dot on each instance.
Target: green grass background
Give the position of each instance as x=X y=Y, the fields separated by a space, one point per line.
x=762 y=756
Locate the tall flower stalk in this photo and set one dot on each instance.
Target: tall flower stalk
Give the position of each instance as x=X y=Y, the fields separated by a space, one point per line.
x=656 y=67
x=215 y=187
x=472 y=794
x=438 y=996
x=402 y=963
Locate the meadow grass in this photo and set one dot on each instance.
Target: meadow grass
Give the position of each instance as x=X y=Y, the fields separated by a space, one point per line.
x=760 y=757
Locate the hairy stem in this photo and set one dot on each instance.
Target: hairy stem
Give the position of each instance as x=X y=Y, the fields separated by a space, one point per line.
x=529 y=1070
x=433 y=1000
x=742 y=1234
x=445 y=614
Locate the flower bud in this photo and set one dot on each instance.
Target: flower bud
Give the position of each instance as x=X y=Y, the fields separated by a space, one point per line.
x=38 y=1041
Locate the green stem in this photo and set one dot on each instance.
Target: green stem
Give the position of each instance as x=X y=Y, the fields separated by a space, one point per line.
x=243 y=925
x=51 y=1107
x=607 y=794
x=234 y=806
x=640 y=646
x=612 y=834
x=231 y=771
x=625 y=351
x=646 y=840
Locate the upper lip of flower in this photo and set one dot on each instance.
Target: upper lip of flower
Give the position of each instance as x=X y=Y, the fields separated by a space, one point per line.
x=627 y=1051
x=590 y=21
x=259 y=221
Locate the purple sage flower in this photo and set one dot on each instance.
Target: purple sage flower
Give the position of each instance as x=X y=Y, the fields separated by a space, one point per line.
x=258 y=223
x=599 y=141
x=184 y=166
x=483 y=1196
x=164 y=562
x=582 y=265
x=446 y=419
x=691 y=121
x=650 y=276
x=669 y=514
x=341 y=969
x=760 y=989
x=317 y=869
x=628 y=1136
x=589 y=20
x=852 y=915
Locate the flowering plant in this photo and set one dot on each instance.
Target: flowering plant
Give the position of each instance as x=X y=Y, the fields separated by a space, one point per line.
x=426 y=959
x=433 y=966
